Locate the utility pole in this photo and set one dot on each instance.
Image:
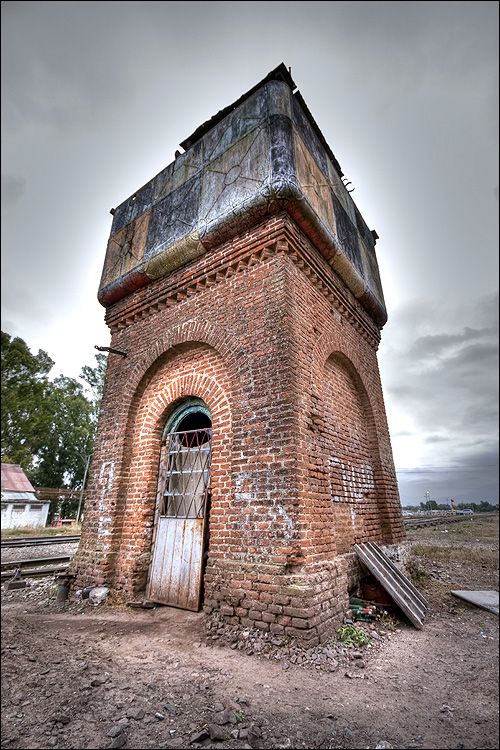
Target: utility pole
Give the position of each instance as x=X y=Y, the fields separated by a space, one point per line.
x=87 y=464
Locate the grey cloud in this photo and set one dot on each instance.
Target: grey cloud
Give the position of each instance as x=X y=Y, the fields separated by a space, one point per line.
x=13 y=189
x=35 y=309
x=484 y=355
x=97 y=96
x=429 y=346
x=473 y=478
x=457 y=394
x=446 y=382
x=73 y=63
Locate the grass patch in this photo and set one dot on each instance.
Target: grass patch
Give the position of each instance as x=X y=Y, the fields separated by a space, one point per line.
x=476 y=529
x=437 y=553
x=390 y=622
x=419 y=577
x=28 y=531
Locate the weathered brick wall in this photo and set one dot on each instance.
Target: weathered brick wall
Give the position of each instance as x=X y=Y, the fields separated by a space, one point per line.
x=348 y=490
x=305 y=604
x=263 y=331
x=239 y=316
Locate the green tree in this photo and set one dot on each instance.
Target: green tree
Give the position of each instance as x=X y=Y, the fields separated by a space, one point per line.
x=94 y=378
x=485 y=507
x=48 y=427
x=69 y=436
x=25 y=389
x=429 y=505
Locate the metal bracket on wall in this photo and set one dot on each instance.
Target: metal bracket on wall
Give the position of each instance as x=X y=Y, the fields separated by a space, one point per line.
x=110 y=350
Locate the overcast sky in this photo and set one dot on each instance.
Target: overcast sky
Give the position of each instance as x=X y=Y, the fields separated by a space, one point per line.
x=97 y=96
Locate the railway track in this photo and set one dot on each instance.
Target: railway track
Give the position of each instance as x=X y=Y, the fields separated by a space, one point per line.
x=43 y=566
x=411 y=523
x=36 y=541
x=34 y=567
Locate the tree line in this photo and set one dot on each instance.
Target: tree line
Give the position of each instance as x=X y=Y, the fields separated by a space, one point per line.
x=48 y=425
x=481 y=507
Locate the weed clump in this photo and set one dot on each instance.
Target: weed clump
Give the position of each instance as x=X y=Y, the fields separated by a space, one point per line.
x=351 y=635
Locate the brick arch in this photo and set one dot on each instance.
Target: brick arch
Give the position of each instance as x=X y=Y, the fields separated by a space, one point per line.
x=171 y=382
x=191 y=331
x=342 y=360
x=330 y=344
x=339 y=358
x=331 y=348
x=333 y=344
x=191 y=384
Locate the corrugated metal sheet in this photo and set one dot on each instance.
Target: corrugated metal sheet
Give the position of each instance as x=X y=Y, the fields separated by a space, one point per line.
x=15 y=497
x=403 y=592
x=14 y=479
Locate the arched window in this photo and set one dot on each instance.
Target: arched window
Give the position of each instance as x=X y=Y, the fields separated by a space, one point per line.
x=184 y=476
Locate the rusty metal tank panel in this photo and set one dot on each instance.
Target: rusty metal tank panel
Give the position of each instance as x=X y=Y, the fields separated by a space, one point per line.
x=261 y=155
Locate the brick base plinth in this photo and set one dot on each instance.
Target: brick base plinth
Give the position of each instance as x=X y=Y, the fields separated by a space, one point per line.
x=307 y=605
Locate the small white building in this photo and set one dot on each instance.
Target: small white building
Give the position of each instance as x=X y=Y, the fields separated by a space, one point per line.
x=20 y=505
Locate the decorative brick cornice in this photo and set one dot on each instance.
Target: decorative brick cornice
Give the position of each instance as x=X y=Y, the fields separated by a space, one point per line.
x=316 y=268
x=278 y=236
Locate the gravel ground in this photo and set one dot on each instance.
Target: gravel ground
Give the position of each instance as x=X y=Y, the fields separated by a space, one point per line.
x=77 y=676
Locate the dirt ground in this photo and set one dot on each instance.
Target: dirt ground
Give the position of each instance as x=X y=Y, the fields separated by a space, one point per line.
x=111 y=676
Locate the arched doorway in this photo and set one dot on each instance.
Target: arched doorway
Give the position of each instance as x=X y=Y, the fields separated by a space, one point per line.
x=182 y=502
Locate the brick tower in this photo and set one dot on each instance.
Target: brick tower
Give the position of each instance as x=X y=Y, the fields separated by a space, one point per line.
x=243 y=446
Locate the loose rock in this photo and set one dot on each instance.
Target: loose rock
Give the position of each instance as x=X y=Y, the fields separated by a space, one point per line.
x=217 y=733
x=115 y=730
x=136 y=713
x=119 y=741
x=199 y=736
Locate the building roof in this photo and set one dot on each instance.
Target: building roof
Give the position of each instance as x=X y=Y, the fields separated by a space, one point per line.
x=14 y=479
x=22 y=497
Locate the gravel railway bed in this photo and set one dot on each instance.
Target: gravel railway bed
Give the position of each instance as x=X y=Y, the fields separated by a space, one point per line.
x=18 y=554
x=36 y=541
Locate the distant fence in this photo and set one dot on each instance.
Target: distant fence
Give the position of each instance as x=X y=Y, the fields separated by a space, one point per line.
x=58 y=493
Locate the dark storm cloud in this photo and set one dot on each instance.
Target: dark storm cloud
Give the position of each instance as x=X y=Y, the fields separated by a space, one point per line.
x=452 y=371
x=436 y=439
x=472 y=478
x=438 y=344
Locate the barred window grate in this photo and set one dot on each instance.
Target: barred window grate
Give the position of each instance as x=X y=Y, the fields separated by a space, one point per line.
x=185 y=473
